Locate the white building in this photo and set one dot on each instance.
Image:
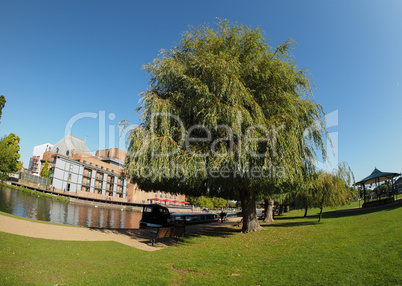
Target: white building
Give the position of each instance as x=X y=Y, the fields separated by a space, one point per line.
x=74 y=176
x=37 y=156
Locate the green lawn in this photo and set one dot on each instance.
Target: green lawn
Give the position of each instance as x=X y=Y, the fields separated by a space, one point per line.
x=360 y=247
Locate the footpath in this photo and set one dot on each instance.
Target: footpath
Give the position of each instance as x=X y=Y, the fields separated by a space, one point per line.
x=137 y=238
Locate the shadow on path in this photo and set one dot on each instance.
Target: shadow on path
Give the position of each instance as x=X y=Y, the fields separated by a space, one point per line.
x=144 y=235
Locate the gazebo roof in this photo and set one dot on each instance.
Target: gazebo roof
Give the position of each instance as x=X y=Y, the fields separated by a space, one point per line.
x=377 y=176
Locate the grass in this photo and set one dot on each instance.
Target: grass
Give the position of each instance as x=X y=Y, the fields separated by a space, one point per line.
x=349 y=247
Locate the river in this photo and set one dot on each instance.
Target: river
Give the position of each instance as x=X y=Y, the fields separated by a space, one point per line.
x=74 y=212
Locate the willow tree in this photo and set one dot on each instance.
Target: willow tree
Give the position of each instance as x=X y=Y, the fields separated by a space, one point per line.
x=333 y=189
x=224 y=115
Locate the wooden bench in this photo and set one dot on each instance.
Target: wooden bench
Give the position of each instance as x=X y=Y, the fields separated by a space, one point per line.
x=176 y=231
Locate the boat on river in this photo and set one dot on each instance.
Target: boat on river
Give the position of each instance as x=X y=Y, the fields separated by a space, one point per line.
x=159 y=216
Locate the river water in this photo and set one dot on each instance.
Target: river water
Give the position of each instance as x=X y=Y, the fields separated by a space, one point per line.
x=73 y=212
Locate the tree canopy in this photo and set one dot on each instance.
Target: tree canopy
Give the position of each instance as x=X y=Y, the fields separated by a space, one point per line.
x=225 y=115
x=9 y=156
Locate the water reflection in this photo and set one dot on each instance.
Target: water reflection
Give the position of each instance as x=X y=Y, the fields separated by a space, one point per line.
x=73 y=213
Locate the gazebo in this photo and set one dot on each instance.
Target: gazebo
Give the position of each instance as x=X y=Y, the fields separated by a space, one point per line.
x=375 y=178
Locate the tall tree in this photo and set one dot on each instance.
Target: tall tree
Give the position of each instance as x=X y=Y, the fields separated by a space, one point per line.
x=224 y=115
x=9 y=156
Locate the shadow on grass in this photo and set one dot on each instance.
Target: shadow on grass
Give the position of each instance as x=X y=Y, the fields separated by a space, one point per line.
x=341 y=213
x=360 y=211
x=289 y=224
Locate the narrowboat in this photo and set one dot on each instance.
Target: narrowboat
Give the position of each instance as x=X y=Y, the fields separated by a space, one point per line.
x=159 y=216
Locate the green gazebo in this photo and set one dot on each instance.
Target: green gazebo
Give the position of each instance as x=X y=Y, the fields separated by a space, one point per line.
x=375 y=178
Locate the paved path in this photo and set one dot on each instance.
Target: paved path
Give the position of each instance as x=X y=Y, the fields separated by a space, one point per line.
x=62 y=232
x=138 y=238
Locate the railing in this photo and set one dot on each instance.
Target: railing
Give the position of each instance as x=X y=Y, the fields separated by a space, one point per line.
x=35 y=179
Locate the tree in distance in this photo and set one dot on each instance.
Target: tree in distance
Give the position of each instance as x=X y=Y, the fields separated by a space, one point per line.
x=45 y=172
x=9 y=148
x=202 y=202
x=225 y=115
x=333 y=189
x=2 y=104
x=9 y=156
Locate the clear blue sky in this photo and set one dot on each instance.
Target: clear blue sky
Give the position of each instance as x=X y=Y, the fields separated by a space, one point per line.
x=60 y=59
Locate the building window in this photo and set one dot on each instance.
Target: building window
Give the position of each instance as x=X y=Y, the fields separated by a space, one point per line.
x=57 y=150
x=67 y=153
x=84 y=162
x=90 y=164
x=102 y=167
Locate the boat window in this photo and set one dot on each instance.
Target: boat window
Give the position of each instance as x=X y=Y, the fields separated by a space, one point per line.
x=147 y=210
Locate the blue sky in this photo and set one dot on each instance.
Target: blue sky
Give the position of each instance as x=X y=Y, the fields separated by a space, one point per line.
x=83 y=59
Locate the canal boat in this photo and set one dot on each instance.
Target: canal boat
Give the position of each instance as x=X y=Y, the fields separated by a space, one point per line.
x=159 y=216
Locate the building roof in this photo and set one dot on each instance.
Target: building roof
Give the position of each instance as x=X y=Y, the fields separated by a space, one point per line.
x=68 y=143
x=377 y=176
x=399 y=181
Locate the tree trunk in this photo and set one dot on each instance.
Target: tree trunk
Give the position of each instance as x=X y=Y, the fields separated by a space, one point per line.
x=250 y=221
x=269 y=213
x=319 y=218
x=280 y=209
x=305 y=211
x=266 y=202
